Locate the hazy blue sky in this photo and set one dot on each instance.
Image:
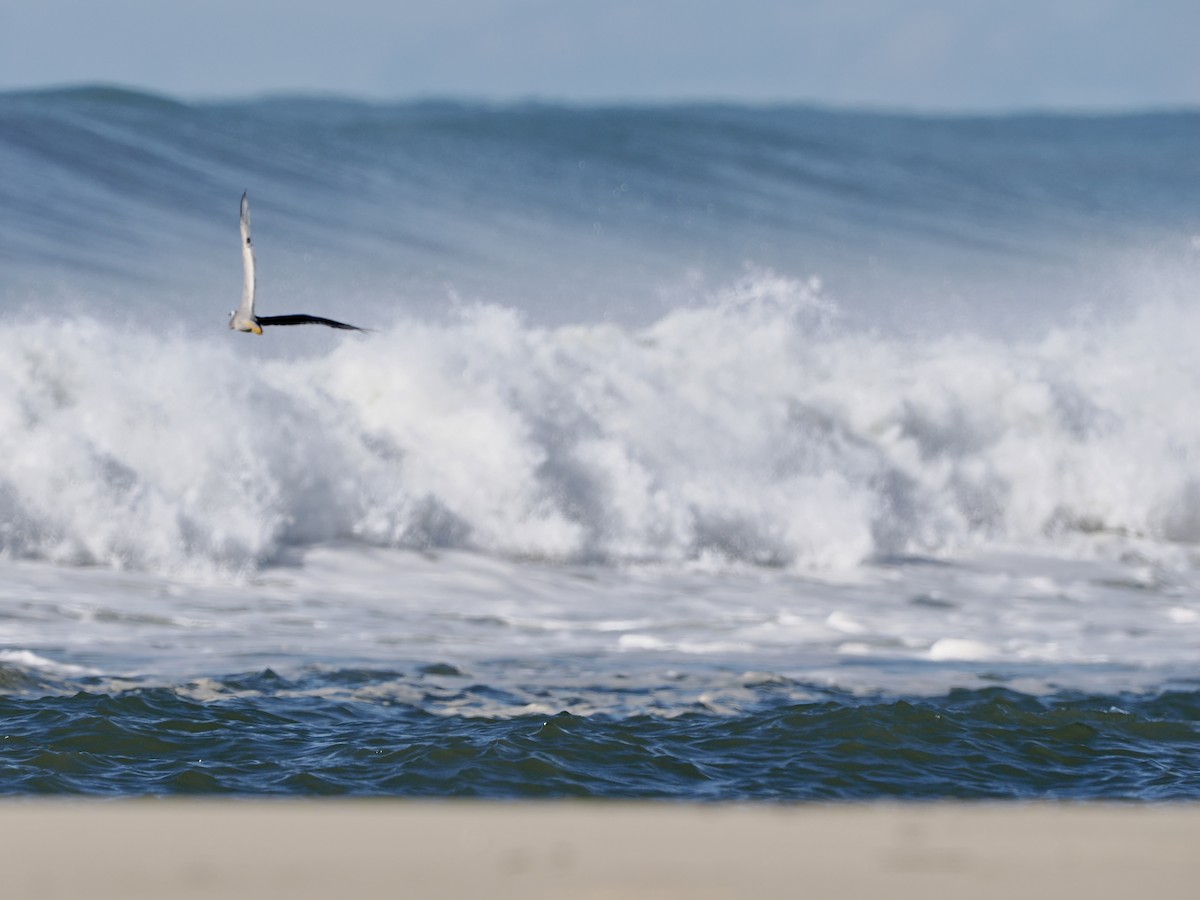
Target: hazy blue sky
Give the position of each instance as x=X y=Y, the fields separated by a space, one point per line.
x=939 y=54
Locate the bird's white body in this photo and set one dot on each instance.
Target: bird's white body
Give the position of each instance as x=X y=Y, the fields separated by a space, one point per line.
x=243 y=318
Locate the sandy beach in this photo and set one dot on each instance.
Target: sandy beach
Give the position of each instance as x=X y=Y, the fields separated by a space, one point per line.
x=169 y=849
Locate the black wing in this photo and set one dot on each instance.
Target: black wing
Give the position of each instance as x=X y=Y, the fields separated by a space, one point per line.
x=304 y=320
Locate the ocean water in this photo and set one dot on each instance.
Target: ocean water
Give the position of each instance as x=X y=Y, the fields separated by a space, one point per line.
x=703 y=452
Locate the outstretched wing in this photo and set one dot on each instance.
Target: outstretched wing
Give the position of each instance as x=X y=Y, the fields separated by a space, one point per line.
x=246 y=310
x=305 y=320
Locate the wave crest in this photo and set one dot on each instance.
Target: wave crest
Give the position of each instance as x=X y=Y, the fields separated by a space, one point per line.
x=750 y=429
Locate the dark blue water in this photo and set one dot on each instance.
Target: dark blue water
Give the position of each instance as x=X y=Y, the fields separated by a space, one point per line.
x=977 y=744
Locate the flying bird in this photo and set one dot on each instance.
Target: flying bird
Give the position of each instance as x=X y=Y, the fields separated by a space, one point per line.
x=243 y=318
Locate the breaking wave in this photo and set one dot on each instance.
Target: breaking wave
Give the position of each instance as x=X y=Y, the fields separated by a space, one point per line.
x=749 y=427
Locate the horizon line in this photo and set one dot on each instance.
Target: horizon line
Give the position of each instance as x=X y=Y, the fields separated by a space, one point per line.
x=515 y=100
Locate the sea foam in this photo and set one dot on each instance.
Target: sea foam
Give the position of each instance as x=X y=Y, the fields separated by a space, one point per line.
x=749 y=427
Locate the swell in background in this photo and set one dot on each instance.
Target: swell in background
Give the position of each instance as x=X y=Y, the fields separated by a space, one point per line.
x=126 y=204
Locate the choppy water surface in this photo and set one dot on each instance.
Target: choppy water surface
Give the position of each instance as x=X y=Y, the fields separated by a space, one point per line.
x=377 y=672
